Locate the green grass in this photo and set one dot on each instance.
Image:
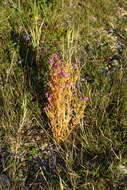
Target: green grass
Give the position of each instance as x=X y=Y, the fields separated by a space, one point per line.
x=94 y=32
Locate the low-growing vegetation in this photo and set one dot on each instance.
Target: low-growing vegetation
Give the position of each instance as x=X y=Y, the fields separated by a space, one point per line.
x=63 y=94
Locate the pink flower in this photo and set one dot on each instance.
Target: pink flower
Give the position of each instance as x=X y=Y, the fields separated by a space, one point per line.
x=55 y=65
x=65 y=75
x=58 y=86
x=56 y=56
x=45 y=108
x=62 y=73
x=85 y=98
x=59 y=74
x=51 y=61
x=68 y=85
x=46 y=94
x=50 y=97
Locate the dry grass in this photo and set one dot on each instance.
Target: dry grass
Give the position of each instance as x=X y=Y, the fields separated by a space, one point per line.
x=93 y=32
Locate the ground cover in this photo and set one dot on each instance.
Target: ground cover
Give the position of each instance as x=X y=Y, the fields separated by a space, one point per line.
x=94 y=35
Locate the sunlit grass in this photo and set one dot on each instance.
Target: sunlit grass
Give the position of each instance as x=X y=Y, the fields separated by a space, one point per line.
x=90 y=40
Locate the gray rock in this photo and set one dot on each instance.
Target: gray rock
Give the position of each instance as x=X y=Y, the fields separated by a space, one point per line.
x=111 y=31
x=115 y=62
x=4 y=182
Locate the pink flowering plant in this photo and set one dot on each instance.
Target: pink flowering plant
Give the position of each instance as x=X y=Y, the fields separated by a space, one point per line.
x=65 y=108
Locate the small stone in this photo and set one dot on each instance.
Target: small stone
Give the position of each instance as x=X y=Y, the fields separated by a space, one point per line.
x=4 y=182
x=120 y=47
x=26 y=36
x=111 y=31
x=115 y=62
